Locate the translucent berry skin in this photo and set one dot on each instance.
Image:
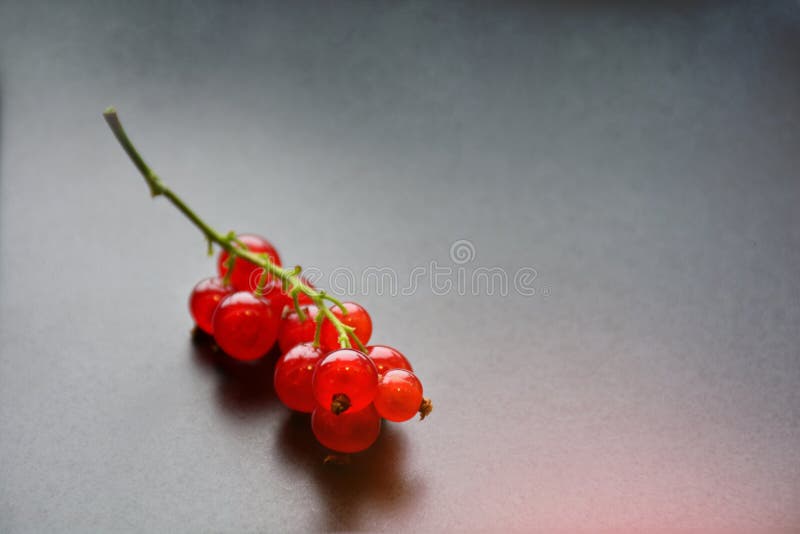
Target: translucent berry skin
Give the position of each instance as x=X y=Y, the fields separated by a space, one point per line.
x=399 y=395
x=273 y=292
x=243 y=269
x=387 y=358
x=293 y=373
x=347 y=432
x=345 y=372
x=356 y=317
x=293 y=331
x=245 y=327
x=203 y=301
x=302 y=299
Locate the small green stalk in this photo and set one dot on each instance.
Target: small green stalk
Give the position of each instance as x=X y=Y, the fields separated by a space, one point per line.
x=226 y=279
x=229 y=242
x=262 y=281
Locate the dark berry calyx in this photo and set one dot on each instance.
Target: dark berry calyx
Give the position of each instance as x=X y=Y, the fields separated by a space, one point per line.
x=340 y=403
x=425 y=408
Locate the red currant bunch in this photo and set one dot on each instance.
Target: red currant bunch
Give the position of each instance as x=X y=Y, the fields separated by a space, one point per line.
x=325 y=368
x=348 y=391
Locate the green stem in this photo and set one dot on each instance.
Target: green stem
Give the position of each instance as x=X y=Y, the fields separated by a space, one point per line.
x=262 y=283
x=226 y=278
x=343 y=331
x=318 y=330
x=229 y=242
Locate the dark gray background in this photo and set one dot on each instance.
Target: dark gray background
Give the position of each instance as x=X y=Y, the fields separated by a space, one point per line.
x=642 y=157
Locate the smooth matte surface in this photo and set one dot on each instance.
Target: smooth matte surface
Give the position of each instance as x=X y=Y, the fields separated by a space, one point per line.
x=642 y=157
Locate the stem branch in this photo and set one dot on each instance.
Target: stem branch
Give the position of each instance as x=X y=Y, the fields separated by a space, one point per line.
x=289 y=277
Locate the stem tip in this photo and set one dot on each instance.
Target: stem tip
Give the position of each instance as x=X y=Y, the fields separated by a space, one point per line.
x=425 y=408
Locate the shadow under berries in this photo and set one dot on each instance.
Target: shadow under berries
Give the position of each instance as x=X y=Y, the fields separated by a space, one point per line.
x=243 y=387
x=367 y=480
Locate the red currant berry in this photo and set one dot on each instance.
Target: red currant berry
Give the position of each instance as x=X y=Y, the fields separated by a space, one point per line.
x=273 y=292
x=345 y=380
x=303 y=299
x=204 y=299
x=243 y=269
x=357 y=317
x=386 y=358
x=399 y=395
x=293 y=331
x=293 y=373
x=348 y=432
x=245 y=326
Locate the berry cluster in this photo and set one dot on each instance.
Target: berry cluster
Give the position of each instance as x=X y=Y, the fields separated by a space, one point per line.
x=326 y=367
x=346 y=391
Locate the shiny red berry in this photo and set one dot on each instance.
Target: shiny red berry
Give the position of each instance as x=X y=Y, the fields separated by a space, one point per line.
x=348 y=432
x=294 y=331
x=243 y=269
x=293 y=372
x=245 y=327
x=345 y=380
x=356 y=317
x=273 y=292
x=387 y=358
x=399 y=395
x=302 y=299
x=204 y=300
